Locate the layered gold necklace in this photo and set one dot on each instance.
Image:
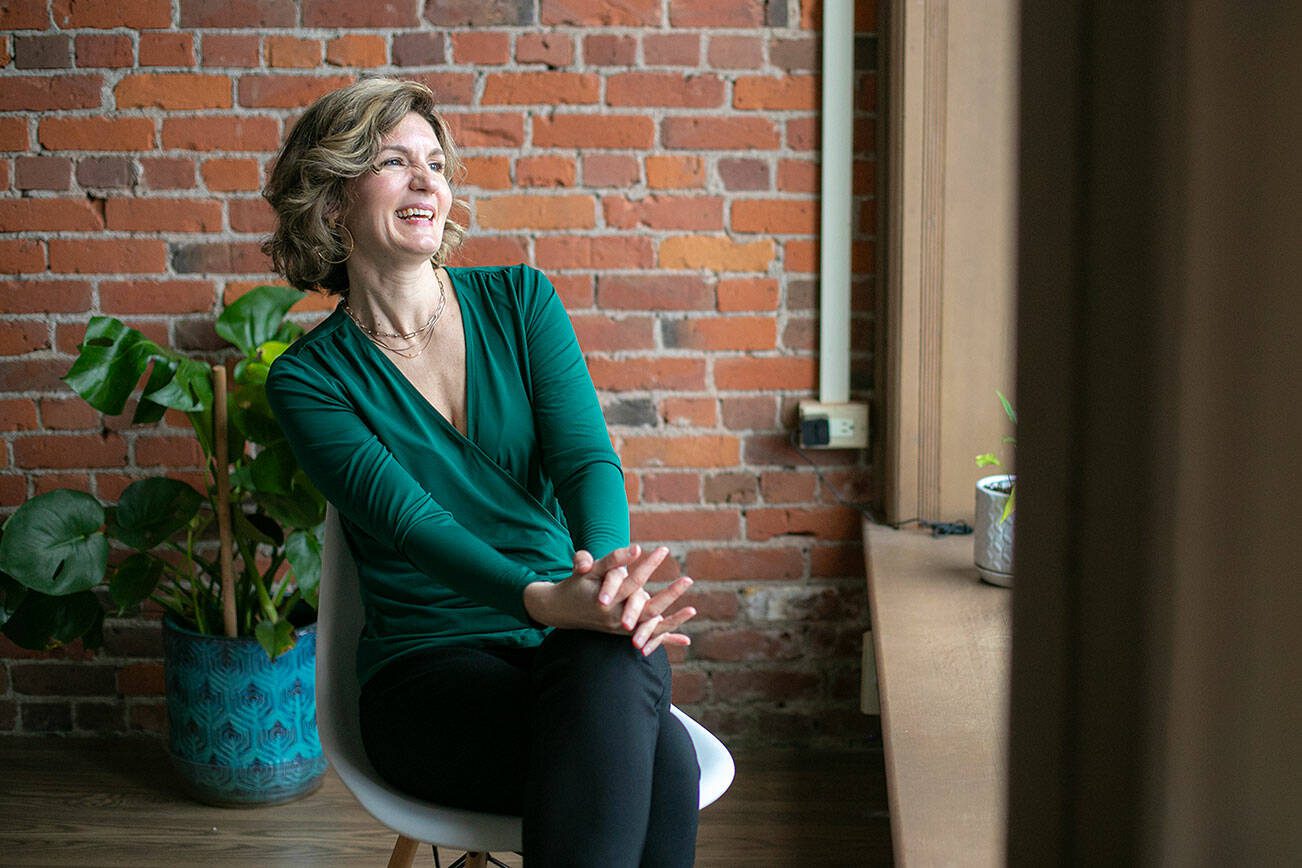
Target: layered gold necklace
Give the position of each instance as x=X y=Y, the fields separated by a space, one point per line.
x=427 y=329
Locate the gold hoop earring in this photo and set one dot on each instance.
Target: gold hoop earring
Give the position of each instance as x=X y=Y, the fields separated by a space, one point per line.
x=347 y=253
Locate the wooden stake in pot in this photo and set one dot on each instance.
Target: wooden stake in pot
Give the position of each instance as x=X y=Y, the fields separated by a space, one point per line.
x=221 y=474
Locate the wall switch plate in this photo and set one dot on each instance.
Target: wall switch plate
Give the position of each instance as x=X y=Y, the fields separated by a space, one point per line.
x=833 y=426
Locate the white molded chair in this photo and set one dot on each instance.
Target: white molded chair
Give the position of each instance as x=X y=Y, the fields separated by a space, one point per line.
x=339 y=623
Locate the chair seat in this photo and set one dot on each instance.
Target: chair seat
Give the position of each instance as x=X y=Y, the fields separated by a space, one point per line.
x=339 y=623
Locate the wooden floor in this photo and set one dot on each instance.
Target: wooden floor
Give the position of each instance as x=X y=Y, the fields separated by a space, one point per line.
x=89 y=803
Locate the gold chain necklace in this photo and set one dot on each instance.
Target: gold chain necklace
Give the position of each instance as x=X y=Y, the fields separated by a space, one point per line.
x=428 y=327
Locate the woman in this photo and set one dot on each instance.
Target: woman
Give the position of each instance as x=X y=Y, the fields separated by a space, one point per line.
x=511 y=659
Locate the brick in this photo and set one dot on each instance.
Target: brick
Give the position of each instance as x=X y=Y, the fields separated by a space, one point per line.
x=707 y=133
x=600 y=333
x=13 y=493
x=49 y=215
x=721 y=333
x=601 y=13
x=744 y=174
x=765 y=373
x=593 y=131
x=222 y=175
x=487 y=130
x=740 y=645
x=168 y=173
x=481 y=48
x=237 y=50
x=641 y=373
x=131 y=640
x=664 y=212
x=609 y=170
x=25 y=15
x=801 y=53
x=711 y=605
x=21 y=256
x=802 y=134
x=4 y=175
x=19 y=338
x=759 y=293
x=664 y=89
x=735 y=52
x=675 y=172
x=671 y=49
x=164 y=215
x=685 y=524
x=107 y=256
x=545 y=171
x=150 y=297
x=17 y=414
x=46 y=717
x=246 y=13
x=217 y=133
x=715 y=253
x=450 y=88
x=603 y=49
x=775 y=685
x=487 y=173
x=292 y=52
x=688 y=687
x=498 y=250
x=153 y=451
x=546 y=88
x=837 y=561
x=536 y=212
x=101 y=718
x=46 y=51
x=671 y=488
x=716 y=13
x=552 y=49
x=68 y=415
x=823 y=522
x=219 y=258
x=61 y=679
x=418 y=49
x=44 y=296
x=43 y=173
x=806 y=604
x=287 y=91
x=105 y=172
x=251 y=215
x=173 y=90
x=654 y=292
x=96 y=134
x=798 y=92
x=775 y=216
x=150 y=718
x=141 y=679
x=690 y=412
x=811 y=16
x=166 y=49
x=45 y=92
x=800 y=334
x=479 y=13
x=798 y=176
x=680 y=451
x=13 y=134
x=575 y=290
x=782 y=486
x=749 y=412
x=108 y=14
x=634 y=412
x=344 y=13
x=593 y=252
x=731 y=488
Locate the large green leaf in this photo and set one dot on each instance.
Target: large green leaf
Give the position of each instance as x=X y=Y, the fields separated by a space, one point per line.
x=54 y=544
x=151 y=510
x=303 y=507
x=275 y=638
x=272 y=471
x=189 y=389
x=253 y=417
x=43 y=622
x=253 y=370
x=110 y=361
x=303 y=551
x=135 y=579
x=256 y=316
x=11 y=596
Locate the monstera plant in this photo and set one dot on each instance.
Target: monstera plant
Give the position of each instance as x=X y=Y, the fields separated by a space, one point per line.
x=54 y=552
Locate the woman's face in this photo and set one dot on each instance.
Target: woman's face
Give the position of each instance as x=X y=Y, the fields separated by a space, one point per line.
x=398 y=212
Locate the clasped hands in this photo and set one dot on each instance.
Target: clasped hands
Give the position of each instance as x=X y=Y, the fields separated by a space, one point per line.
x=610 y=596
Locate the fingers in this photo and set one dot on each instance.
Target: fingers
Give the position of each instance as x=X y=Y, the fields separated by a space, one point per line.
x=583 y=561
x=679 y=639
x=665 y=597
x=634 y=576
x=659 y=628
x=614 y=566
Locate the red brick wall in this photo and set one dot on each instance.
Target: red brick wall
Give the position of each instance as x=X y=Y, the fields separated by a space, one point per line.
x=657 y=158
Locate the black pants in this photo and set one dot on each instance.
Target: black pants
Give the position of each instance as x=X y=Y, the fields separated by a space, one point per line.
x=574 y=735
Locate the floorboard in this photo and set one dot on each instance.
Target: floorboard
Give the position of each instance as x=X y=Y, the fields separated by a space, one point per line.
x=92 y=803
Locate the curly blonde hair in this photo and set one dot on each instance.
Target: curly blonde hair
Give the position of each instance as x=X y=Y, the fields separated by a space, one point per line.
x=337 y=139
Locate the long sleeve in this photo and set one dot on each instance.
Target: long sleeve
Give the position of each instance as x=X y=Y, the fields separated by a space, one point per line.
x=571 y=430
x=357 y=473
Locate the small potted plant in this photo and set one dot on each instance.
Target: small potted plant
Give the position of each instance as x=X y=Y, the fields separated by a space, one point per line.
x=995 y=503
x=238 y=630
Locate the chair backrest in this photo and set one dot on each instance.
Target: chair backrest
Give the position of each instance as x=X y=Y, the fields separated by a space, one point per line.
x=339 y=623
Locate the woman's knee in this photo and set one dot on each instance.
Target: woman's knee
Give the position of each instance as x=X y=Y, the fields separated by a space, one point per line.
x=605 y=658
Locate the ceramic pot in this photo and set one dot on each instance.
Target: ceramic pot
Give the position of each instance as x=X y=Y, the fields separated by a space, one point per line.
x=242 y=727
x=993 y=545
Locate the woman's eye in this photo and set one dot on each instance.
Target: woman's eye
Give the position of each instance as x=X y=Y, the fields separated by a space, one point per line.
x=436 y=166
x=392 y=161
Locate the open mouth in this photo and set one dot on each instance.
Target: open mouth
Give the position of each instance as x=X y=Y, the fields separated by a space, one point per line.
x=415 y=215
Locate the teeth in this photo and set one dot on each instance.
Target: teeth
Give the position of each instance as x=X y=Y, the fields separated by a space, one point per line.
x=416 y=212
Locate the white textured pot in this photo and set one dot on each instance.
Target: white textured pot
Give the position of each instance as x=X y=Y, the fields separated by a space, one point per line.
x=994 y=540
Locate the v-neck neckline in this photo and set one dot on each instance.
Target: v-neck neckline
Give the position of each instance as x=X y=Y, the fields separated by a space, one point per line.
x=469 y=362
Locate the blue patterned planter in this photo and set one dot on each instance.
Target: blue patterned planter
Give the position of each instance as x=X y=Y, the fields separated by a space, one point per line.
x=242 y=728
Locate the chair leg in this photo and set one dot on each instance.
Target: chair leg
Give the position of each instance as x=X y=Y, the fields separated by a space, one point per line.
x=404 y=852
x=476 y=860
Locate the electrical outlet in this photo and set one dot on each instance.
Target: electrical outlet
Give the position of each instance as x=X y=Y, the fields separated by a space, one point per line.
x=833 y=426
